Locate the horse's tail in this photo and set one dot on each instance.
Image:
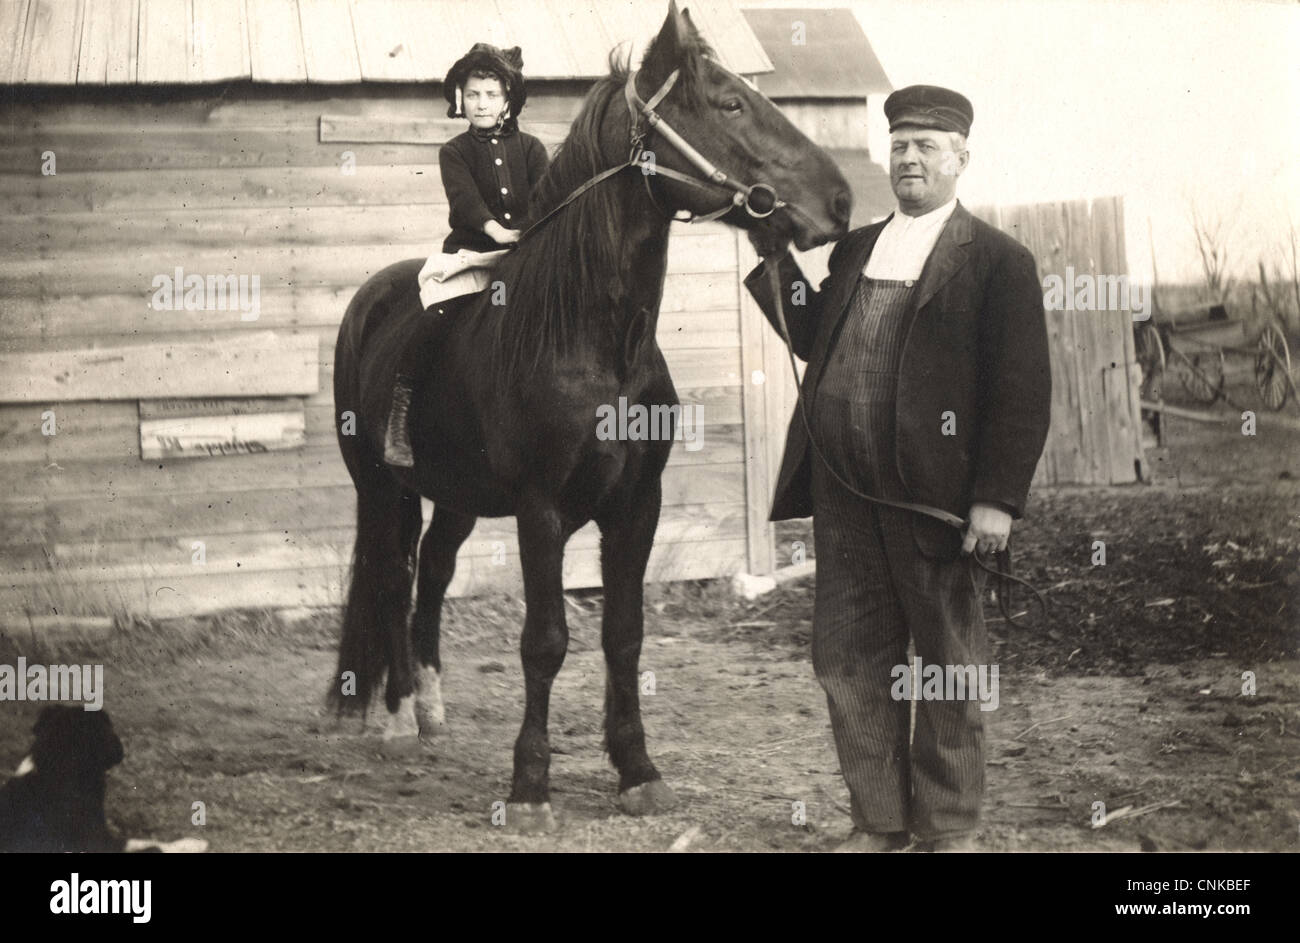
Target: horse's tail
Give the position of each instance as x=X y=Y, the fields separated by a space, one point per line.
x=387 y=517
x=363 y=658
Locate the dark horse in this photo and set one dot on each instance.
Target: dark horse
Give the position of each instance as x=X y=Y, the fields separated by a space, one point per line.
x=504 y=419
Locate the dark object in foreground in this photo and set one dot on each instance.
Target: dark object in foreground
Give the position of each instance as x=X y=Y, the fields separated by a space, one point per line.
x=56 y=801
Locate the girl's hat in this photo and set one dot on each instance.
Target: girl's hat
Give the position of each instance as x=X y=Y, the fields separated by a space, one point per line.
x=506 y=64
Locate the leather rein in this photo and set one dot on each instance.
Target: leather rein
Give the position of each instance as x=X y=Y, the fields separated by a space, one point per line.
x=760 y=200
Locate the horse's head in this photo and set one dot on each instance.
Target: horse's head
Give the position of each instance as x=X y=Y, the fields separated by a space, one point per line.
x=742 y=134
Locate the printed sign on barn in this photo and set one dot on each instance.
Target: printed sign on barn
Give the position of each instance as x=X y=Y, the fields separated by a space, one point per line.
x=202 y=428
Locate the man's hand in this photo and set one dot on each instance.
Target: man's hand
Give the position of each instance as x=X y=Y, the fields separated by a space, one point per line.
x=989 y=528
x=767 y=243
x=499 y=234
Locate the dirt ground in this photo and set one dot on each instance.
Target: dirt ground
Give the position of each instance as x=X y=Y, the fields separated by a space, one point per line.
x=1130 y=695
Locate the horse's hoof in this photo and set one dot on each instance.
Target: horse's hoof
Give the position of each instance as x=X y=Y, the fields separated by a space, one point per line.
x=647 y=799
x=529 y=818
x=429 y=712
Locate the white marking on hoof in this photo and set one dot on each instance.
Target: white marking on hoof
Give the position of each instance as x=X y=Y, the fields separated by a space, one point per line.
x=28 y=765
x=402 y=723
x=182 y=846
x=428 y=701
x=647 y=799
x=529 y=818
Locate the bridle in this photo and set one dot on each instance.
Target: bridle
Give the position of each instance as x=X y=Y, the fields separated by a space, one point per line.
x=759 y=200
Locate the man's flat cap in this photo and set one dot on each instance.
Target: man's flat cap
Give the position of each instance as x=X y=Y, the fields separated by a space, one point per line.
x=929 y=106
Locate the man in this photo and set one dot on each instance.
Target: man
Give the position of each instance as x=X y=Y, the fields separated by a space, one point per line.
x=928 y=381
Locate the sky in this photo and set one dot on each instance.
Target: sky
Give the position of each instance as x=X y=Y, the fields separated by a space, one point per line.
x=1164 y=103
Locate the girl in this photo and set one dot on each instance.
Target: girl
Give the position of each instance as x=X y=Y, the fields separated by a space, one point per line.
x=488 y=173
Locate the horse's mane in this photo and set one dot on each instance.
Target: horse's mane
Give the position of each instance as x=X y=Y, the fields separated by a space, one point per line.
x=560 y=276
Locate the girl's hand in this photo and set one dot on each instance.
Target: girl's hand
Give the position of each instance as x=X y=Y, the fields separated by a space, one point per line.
x=499 y=234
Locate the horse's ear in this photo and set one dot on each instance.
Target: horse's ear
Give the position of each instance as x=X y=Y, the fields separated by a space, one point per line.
x=667 y=50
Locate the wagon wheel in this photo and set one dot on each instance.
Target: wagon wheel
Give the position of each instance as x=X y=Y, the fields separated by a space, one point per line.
x=1201 y=374
x=1273 y=368
x=1150 y=353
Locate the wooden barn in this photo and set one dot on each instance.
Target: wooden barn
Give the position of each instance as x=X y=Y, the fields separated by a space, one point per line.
x=169 y=460
x=168 y=455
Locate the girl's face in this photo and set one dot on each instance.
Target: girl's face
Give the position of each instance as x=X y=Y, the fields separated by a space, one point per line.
x=484 y=100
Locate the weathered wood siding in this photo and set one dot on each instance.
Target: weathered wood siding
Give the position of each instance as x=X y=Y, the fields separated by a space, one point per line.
x=236 y=180
x=1095 y=436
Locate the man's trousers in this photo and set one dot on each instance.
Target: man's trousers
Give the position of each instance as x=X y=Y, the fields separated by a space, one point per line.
x=875 y=590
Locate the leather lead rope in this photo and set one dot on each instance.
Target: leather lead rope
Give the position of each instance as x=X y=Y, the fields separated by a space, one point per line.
x=1002 y=558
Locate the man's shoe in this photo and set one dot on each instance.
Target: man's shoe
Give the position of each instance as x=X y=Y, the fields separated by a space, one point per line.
x=872 y=842
x=397 y=445
x=953 y=844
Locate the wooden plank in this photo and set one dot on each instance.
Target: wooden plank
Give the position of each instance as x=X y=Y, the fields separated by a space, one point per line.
x=98 y=441
x=759 y=532
x=254 y=188
x=85 y=430
x=382 y=39
x=323 y=586
x=166 y=38
x=152 y=276
x=698 y=292
x=527 y=19
x=433 y=47
x=171 y=429
x=275 y=41
x=37 y=520
x=219 y=41
x=1124 y=453
x=53 y=42
x=262 y=363
x=86 y=458
x=329 y=41
x=13 y=31
x=1093 y=349
x=176 y=147
x=98 y=316
x=318 y=265
x=109 y=33
x=151 y=557
x=69 y=235
x=373 y=129
x=317 y=464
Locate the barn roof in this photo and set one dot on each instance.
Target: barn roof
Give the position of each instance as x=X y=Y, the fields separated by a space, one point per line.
x=834 y=61
x=98 y=42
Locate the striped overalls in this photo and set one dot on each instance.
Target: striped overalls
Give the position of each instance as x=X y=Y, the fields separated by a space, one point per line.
x=875 y=590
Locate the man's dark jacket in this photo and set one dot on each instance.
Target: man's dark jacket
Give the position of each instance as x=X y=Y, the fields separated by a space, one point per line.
x=976 y=347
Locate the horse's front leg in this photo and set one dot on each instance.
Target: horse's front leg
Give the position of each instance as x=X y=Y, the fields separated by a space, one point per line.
x=543 y=533
x=627 y=531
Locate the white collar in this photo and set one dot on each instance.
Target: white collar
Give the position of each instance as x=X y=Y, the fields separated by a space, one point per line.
x=935 y=217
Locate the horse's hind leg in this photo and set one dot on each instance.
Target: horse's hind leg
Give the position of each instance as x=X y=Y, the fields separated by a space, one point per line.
x=627 y=530
x=388 y=523
x=447 y=531
x=375 y=640
x=543 y=533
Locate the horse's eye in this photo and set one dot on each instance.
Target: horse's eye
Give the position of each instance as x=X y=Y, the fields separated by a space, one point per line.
x=732 y=106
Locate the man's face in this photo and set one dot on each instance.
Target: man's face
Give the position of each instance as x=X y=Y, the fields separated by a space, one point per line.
x=484 y=100
x=923 y=168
